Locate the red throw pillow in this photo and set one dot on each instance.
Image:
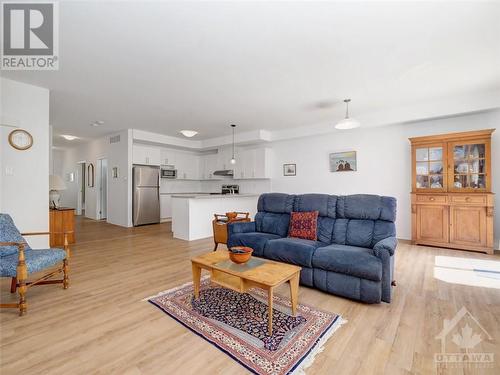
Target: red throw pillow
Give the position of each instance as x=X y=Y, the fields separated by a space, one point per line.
x=303 y=225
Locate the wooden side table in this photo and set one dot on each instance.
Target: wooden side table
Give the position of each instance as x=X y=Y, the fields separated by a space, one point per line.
x=61 y=220
x=220 y=223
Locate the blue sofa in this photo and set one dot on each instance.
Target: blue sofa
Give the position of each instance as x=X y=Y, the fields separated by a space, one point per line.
x=353 y=254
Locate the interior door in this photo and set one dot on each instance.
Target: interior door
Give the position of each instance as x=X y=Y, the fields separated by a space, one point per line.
x=432 y=223
x=468 y=225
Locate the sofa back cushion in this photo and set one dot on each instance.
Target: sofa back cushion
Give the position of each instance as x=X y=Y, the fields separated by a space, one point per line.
x=269 y=222
x=363 y=220
x=9 y=233
x=326 y=206
x=274 y=213
x=278 y=203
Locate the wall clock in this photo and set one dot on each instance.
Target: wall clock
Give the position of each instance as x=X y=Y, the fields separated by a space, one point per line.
x=20 y=139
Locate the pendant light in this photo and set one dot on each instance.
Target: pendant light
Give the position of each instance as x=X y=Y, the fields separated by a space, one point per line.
x=347 y=123
x=233 y=160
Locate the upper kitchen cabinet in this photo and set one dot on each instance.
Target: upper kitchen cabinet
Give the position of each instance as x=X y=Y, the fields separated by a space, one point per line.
x=145 y=155
x=224 y=156
x=187 y=165
x=168 y=156
x=253 y=164
x=208 y=165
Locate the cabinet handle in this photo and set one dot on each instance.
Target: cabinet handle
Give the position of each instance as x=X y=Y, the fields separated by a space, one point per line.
x=467 y=199
x=432 y=199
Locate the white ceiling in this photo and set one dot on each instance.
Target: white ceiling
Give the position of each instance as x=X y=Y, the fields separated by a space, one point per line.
x=167 y=66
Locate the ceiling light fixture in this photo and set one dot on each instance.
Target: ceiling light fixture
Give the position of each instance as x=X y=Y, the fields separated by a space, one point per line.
x=347 y=123
x=97 y=123
x=188 y=133
x=69 y=137
x=233 y=160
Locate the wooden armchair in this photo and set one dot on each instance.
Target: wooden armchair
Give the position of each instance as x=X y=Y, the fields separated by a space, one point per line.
x=18 y=260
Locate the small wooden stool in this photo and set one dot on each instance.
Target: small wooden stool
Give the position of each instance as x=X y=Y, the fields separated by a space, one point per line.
x=220 y=225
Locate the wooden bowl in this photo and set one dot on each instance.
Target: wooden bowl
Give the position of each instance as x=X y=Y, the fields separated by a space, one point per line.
x=240 y=257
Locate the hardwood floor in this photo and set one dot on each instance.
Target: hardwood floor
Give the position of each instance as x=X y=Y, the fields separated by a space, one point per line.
x=101 y=326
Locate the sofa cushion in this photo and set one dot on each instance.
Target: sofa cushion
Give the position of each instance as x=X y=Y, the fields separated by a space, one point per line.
x=366 y=207
x=323 y=203
x=269 y=222
x=36 y=260
x=292 y=250
x=255 y=240
x=278 y=203
x=304 y=225
x=349 y=260
x=9 y=233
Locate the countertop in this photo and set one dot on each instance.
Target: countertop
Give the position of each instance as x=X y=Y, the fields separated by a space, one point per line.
x=187 y=193
x=214 y=196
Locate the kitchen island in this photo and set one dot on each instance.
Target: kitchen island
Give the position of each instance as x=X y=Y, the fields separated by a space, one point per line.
x=192 y=214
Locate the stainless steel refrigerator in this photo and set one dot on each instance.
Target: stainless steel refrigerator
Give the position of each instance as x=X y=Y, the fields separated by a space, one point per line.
x=146 y=198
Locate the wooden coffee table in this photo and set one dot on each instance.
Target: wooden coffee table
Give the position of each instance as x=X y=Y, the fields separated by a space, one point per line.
x=257 y=272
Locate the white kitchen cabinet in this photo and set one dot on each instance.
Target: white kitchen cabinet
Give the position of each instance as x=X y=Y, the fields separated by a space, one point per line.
x=167 y=157
x=165 y=206
x=187 y=165
x=224 y=156
x=208 y=166
x=146 y=155
x=253 y=163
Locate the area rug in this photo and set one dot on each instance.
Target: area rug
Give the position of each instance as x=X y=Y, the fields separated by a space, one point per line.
x=237 y=324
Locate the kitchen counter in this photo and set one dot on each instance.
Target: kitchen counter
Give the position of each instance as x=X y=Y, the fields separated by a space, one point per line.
x=192 y=214
x=212 y=196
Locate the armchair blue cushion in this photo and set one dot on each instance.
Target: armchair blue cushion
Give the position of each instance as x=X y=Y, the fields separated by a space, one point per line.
x=9 y=233
x=36 y=260
x=353 y=255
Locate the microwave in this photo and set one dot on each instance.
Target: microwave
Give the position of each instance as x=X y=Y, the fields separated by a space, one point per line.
x=168 y=173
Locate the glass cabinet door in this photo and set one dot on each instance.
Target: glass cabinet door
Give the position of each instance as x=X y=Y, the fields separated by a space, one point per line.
x=469 y=166
x=429 y=167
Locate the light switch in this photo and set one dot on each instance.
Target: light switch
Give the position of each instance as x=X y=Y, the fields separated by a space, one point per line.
x=9 y=171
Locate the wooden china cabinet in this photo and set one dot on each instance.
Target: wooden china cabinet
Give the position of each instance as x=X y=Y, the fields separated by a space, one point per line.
x=451 y=200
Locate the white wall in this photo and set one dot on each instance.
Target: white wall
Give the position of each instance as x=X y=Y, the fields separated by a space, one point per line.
x=24 y=193
x=119 y=210
x=383 y=158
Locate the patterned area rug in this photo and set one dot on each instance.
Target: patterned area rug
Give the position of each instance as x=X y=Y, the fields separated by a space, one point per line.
x=237 y=324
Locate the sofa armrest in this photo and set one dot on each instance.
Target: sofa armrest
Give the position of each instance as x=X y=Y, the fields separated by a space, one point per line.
x=240 y=227
x=388 y=244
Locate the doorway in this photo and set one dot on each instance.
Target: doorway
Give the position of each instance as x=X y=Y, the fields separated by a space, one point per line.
x=102 y=185
x=80 y=178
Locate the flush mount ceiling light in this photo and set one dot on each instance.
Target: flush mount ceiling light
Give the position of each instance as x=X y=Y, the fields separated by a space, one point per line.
x=233 y=160
x=97 y=123
x=347 y=123
x=188 y=133
x=69 y=137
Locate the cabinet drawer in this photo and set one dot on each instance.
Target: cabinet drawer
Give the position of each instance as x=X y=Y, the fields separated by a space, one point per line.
x=469 y=199
x=431 y=198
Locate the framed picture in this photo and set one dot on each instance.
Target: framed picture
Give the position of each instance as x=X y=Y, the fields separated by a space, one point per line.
x=343 y=161
x=289 y=169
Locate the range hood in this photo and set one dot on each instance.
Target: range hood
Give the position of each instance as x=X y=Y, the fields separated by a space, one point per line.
x=224 y=172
